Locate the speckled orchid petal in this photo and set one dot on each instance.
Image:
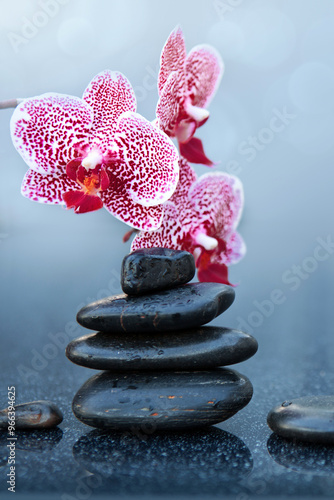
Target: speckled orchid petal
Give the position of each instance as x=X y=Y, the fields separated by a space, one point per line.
x=46 y=188
x=50 y=130
x=187 y=177
x=170 y=108
x=173 y=56
x=218 y=200
x=231 y=250
x=109 y=94
x=118 y=202
x=204 y=70
x=169 y=234
x=151 y=159
x=193 y=151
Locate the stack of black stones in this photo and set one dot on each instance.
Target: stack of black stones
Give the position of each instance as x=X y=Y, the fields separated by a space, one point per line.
x=162 y=368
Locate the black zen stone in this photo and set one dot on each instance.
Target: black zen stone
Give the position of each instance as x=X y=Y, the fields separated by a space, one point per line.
x=197 y=349
x=308 y=419
x=183 y=307
x=152 y=269
x=161 y=400
x=33 y=415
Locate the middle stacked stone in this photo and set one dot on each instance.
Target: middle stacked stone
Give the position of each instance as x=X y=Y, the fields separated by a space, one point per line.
x=161 y=364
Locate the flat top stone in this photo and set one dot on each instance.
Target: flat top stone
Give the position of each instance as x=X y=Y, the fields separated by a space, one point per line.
x=310 y=418
x=151 y=269
x=186 y=306
x=164 y=400
x=199 y=348
x=33 y=415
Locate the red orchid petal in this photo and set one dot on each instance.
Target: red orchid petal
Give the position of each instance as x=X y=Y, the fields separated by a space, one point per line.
x=170 y=105
x=214 y=273
x=204 y=69
x=217 y=199
x=193 y=151
x=48 y=131
x=128 y=235
x=118 y=202
x=82 y=202
x=109 y=94
x=89 y=203
x=73 y=198
x=46 y=188
x=173 y=56
x=151 y=160
x=81 y=174
x=168 y=235
x=72 y=167
x=104 y=179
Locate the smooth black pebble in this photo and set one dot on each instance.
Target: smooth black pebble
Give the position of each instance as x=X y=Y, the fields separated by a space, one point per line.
x=197 y=349
x=183 y=307
x=308 y=419
x=161 y=400
x=33 y=415
x=152 y=269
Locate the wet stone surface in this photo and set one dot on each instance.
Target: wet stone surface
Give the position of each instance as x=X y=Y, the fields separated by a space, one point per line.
x=187 y=306
x=153 y=269
x=33 y=415
x=161 y=400
x=201 y=348
x=309 y=419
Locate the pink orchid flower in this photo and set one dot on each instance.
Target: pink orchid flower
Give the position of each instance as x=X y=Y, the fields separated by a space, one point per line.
x=96 y=151
x=186 y=85
x=201 y=217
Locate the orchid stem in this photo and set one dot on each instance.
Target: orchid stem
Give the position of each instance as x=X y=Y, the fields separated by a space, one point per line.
x=10 y=103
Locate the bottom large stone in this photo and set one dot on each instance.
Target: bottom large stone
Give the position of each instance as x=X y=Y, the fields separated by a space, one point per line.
x=161 y=400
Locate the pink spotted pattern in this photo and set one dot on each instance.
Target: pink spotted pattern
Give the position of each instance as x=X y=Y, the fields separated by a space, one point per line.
x=48 y=131
x=211 y=206
x=204 y=69
x=218 y=198
x=46 y=188
x=141 y=144
x=96 y=151
x=173 y=56
x=109 y=95
x=186 y=85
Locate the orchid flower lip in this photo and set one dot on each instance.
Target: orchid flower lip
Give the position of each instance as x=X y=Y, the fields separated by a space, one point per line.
x=207 y=242
x=93 y=159
x=198 y=114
